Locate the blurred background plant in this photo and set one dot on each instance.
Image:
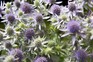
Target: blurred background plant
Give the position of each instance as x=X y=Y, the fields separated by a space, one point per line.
x=46 y=31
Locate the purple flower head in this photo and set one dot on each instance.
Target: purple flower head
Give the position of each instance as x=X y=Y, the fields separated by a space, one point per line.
x=73 y=26
x=10 y=18
x=39 y=17
x=17 y=53
x=72 y=7
x=81 y=55
x=41 y=59
x=55 y=9
x=29 y=33
x=26 y=8
x=17 y=3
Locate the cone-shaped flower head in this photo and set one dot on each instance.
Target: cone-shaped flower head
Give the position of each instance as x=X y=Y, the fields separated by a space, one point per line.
x=10 y=18
x=17 y=3
x=55 y=9
x=41 y=59
x=81 y=55
x=8 y=45
x=29 y=33
x=10 y=31
x=72 y=7
x=17 y=53
x=73 y=26
x=27 y=8
x=39 y=18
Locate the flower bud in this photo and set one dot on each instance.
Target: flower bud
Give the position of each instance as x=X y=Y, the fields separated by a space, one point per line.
x=8 y=5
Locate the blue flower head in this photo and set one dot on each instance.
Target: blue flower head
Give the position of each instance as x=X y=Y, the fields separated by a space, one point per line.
x=10 y=18
x=81 y=55
x=17 y=53
x=39 y=17
x=73 y=26
x=26 y=8
x=29 y=33
x=55 y=9
x=72 y=7
x=17 y=3
x=41 y=59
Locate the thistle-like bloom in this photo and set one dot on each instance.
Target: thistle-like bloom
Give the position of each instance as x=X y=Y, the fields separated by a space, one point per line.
x=72 y=7
x=17 y=53
x=8 y=45
x=73 y=26
x=29 y=33
x=27 y=8
x=10 y=18
x=10 y=31
x=17 y=3
x=55 y=9
x=81 y=55
x=41 y=59
x=39 y=18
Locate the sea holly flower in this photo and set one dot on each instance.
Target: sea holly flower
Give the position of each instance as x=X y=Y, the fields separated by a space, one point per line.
x=27 y=8
x=29 y=33
x=8 y=45
x=41 y=59
x=9 y=31
x=55 y=9
x=73 y=26
x=81 y=55
x=17 y=53
x=17 y=3
x=72 y=7
x=39 y=18
x=11 y=18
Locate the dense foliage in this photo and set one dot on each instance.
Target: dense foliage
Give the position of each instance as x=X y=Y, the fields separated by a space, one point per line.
x=44 y=31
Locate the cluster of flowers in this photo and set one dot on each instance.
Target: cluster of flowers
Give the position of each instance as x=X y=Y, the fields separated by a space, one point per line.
x=46 y=32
